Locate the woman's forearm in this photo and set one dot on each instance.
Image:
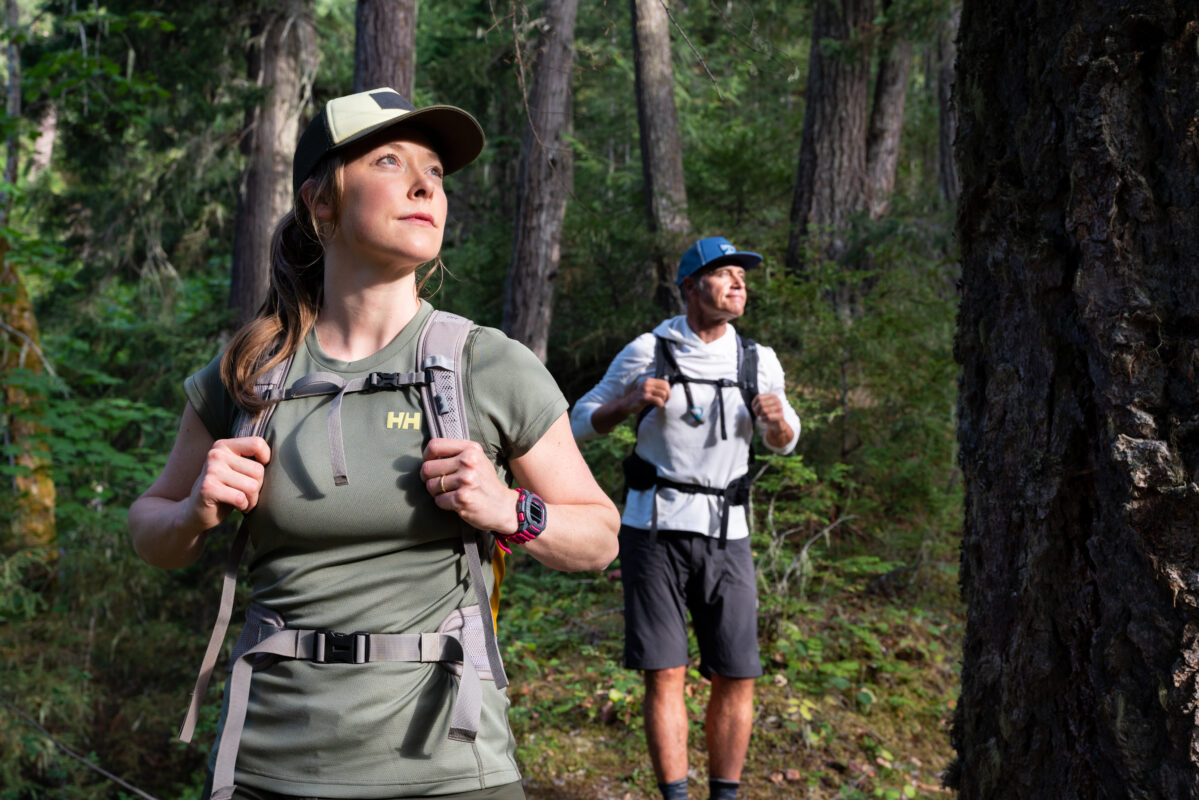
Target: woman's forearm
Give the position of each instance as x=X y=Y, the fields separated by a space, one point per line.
x=577 y=537
x=161 y=534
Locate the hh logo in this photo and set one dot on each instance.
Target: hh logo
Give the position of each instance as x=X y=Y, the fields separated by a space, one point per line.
x=404 y=420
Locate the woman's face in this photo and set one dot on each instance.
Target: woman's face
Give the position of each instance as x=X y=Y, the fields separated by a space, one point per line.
x=393 y=206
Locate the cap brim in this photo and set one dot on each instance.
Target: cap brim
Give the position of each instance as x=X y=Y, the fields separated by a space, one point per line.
x=457 y=136
x=743 y=259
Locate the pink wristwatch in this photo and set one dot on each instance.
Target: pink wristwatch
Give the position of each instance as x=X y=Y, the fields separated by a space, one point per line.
x=530 y=520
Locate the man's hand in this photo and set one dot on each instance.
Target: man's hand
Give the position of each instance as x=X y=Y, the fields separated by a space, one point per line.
x=649 y=392
x=768 y=407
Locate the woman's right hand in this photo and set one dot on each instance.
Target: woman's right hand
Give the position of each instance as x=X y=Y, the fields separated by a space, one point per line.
x=203 y=480
x=230 y=478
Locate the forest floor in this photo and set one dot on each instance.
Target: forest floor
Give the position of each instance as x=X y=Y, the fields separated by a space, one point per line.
x=861 y=680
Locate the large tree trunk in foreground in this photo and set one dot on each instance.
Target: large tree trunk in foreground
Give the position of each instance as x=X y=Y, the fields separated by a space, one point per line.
x=661 y=147
x=544 y=183
x=830 y=185
x=32 y=521
x=1079 y=412
x=282 y=60
x=385 y=45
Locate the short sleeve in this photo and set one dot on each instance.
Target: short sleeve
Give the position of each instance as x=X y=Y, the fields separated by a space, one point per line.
x=512 y=396
x=212 y=402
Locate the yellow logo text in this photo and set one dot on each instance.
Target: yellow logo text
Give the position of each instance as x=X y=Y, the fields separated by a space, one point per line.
x=403 y=420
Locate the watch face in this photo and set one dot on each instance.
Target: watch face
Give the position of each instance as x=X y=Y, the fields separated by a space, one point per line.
x=531 y=514
x=537 y=515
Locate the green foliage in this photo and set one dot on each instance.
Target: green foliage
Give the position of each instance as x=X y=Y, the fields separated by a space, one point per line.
x=124 y=242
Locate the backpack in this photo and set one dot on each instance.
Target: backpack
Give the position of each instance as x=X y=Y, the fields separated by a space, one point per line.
x=643 y=476
x=465 y=643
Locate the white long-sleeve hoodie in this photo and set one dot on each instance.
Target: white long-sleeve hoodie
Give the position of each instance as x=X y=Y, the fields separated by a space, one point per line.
x=681 y=450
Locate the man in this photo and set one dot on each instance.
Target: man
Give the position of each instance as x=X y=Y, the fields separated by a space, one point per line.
x=684 y=543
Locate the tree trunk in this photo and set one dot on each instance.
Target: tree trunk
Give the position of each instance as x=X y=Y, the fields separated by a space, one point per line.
x=543 y=184
x=282 y=58
x=385 y=45
x=1079 y=413
x=32 y=521
x=947 y=50
x=831 y=184
x=886 y=119
x=661 y=147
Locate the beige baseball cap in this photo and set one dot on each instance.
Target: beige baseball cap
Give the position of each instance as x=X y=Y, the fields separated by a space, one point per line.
x=457 y=136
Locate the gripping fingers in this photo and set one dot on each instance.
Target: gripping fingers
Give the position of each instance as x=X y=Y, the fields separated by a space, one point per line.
x=233 y=474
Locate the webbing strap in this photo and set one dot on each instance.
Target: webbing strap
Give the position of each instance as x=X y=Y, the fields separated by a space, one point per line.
x=294 y=643
x=224 y=613
x=668 y=368
x=726 y=495
x=318 y=383
x=269 y=387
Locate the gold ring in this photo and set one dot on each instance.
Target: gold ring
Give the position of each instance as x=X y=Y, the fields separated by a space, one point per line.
x=441 y=485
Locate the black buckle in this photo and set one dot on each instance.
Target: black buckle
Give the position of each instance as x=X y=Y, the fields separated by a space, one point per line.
x=331 y=647
x=378 y=381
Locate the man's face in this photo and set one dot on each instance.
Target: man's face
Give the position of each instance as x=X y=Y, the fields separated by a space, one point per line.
x=719 y=293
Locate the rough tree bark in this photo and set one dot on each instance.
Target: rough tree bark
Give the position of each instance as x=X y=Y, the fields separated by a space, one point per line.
x=831 y=185
x=886 y=116
x=282 y=58
x=1079 y=412
x=947 y=120
x=661 y=147
x=544 y=183
x=385 y=45
x=32 y=522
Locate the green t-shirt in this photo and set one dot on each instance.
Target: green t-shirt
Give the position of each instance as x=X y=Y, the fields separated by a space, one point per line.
x=375 y=555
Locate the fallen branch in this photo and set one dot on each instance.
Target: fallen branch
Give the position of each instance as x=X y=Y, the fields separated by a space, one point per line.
x=33 y=723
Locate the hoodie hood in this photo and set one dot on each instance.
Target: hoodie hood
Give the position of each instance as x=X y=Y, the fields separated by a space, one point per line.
x=677 y=331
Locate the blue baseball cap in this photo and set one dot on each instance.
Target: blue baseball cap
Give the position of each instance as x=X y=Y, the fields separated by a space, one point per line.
x=714 y=251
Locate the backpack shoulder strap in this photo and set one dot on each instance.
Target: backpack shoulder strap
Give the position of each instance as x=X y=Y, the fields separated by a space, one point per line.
x=747 y=371
x=269 y=386
x=666 y=366
x=439 y=353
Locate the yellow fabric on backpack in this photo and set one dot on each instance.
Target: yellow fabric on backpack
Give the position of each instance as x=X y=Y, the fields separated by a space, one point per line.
x=498 y=568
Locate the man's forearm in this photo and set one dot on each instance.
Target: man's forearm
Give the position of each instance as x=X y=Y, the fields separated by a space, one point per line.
x=779 y=434
x=610 y=414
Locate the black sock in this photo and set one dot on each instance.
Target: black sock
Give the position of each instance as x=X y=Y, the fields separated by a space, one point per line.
x=722 y=789
x=675 y=790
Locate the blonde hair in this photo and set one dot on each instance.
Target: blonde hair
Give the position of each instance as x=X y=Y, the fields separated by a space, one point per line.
x=296 y=289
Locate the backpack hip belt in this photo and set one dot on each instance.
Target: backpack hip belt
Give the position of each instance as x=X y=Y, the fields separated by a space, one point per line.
x=456 y=645
x=641 y=475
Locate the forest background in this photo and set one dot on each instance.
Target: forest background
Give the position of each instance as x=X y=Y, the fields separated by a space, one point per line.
x=127 y=126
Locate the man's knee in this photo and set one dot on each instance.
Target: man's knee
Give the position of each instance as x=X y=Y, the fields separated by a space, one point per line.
x=665 y=679
x=733 y=688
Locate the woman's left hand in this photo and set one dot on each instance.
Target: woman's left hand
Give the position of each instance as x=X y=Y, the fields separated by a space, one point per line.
x=460 y=477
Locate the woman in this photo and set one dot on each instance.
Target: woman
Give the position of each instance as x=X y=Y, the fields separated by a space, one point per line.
x=384 y=553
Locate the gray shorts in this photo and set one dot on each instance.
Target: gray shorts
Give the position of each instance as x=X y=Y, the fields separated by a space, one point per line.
x=684 y=572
